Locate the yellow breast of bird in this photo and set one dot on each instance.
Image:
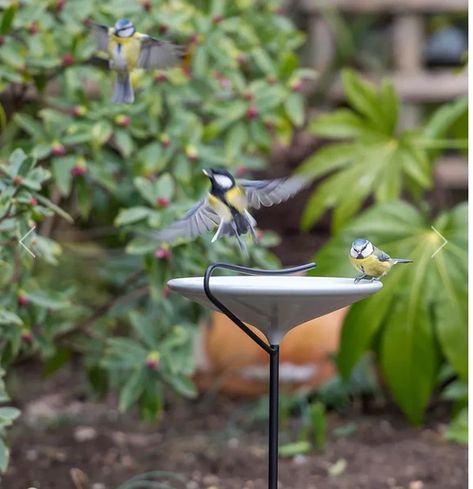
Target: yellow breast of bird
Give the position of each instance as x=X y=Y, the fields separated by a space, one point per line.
x=126 y=49
x=236 y=197
x=220 y=208
x=371 y=265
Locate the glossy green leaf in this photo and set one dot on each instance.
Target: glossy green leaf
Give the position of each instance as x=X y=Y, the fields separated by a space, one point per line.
x=131 y=215
x=295 y=108
x=7 y=19
x=132 y=390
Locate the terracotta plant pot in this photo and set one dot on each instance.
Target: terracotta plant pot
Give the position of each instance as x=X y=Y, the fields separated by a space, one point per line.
x=229 y=361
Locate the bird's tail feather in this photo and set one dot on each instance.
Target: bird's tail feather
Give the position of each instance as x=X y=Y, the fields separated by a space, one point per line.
x=238 y=226
x=241 y=224
x=401 y=260
x=123 y=92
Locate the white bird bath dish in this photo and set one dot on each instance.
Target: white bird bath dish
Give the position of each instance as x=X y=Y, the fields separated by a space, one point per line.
x=274 y=303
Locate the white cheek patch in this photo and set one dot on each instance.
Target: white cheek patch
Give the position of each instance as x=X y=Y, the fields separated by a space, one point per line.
x=223 y=181
x=128 y=32
x=353 y=253
x=368 y=250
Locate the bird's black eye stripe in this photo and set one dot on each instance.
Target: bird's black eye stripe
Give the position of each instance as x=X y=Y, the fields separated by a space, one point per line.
x=364 y=246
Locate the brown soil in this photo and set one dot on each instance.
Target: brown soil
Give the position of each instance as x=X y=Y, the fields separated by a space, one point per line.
x=213 y=445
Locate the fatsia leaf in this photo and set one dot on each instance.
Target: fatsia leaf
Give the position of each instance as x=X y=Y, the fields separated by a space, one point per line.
x=363 y=98
x=443 y=118
x=409 y=356
x=329 y=158
x=421 y=306
x=342 y=123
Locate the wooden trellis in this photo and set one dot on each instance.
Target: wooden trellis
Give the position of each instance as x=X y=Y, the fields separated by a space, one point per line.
x=415 y=83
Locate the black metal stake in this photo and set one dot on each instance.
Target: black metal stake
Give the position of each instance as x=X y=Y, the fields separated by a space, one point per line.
x=272 y=350
x=273 y=416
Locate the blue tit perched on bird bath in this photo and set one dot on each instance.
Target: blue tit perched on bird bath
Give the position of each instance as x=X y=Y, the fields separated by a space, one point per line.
x=371 y=261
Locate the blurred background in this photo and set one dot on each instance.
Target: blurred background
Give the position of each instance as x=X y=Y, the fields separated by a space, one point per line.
x=107 y=379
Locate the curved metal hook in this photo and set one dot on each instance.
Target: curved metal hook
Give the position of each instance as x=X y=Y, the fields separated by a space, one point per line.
x=248 y=271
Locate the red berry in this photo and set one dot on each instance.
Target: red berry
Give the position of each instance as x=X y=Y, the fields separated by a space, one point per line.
x=297 y=85
x=242 y=171
x=22 y=299
x=241 y=59
x=33 y=28
x=152 y=360
x=87 y=22
x=195 y=39
x=78 y=171
x=57 y=149
x=248 y=96
x=217 y=19
x=67 y=59
x=59 y=5
x=79 y=110
x=192 y=153
x=33 y=202
x=2 y=40
x=27 y=336
x=122 y=120
x=146 y=4
x=161 y=77
x=162 y=202
x=252 y=112
x=163 y=254
x=167 y=292
x=17 y=180
x=259 y=234
x=165 y=141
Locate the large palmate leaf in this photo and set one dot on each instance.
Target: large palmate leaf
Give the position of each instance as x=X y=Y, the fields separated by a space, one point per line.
x=422 y=305
x=372 y=158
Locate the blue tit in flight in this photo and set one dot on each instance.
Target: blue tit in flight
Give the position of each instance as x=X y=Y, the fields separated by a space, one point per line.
x=128 y=50
x=226 y=206
x=371 y=261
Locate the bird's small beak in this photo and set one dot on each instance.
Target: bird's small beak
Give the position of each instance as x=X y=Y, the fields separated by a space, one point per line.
x=206 y=172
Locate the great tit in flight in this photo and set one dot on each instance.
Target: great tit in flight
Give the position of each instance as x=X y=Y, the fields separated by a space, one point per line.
x=226 y=206
x=128 y=50
x=371 y=261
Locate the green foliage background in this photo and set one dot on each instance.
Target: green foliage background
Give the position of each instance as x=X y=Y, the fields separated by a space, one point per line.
x=418 y=323
x=72 y=164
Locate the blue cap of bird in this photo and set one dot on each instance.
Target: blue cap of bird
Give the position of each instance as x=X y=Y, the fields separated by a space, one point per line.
x=361 y=248
x=124 y=28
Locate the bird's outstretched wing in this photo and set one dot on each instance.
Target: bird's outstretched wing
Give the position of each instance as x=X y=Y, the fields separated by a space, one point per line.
x=157 y=54
x=101 y=37
x=270 y=192
x=198 y=220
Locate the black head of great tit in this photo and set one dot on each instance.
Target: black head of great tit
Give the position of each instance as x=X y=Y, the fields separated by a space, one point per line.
x=221 y=180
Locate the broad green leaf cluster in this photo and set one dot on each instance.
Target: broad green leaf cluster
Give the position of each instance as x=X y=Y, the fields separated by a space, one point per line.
x=418 y=322
x=371 y=156
x=89 y=175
